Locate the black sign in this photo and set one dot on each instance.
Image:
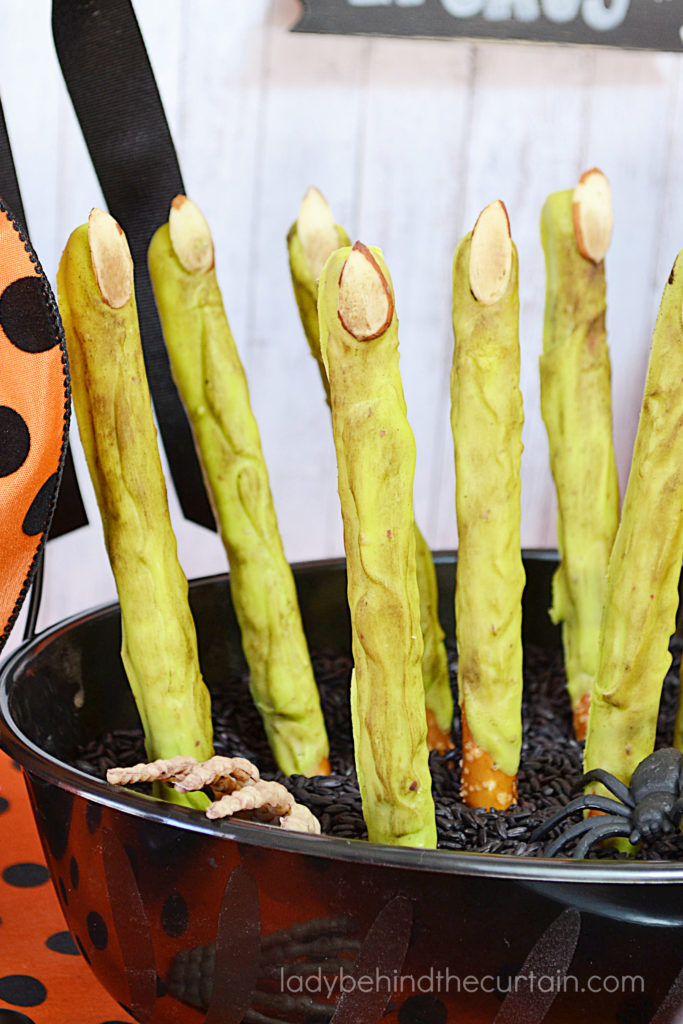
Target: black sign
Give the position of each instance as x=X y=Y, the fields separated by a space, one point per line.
x=640 y=24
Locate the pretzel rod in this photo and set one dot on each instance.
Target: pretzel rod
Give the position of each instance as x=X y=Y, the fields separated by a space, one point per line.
x=376 y=464
x=645 y=565
x=486 y=418
x=111 y=398
x=312 y=238
x=213 y=388
x=577 y=411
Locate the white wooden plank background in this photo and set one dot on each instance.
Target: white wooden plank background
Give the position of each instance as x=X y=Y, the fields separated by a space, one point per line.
x=408 y=140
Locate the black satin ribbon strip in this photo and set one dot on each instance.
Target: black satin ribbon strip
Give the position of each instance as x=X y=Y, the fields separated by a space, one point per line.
x=70 y=513
x=112 y=87
x=9 y=185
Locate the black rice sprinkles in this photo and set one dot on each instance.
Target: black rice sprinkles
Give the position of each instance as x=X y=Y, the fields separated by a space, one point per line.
x=549 y=775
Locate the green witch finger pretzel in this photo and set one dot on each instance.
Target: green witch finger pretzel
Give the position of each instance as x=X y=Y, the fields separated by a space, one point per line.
x=376 y=462
x=577 y=410
x=486 y=418
x=213 y=387
x=645 y=566
x=112 y=403
x=312 y=238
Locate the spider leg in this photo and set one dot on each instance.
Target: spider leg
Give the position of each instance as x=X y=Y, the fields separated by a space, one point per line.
x=590 y=829
x=586 y=801
x=677 y=809
x=676 y=813
x=604 y=829
x=619 y=789
x=578 y=829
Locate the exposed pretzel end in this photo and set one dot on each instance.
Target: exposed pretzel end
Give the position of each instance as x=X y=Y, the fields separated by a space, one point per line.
x=491 y=254
x=482 y=784
x=322 y=768
x=437 y=738
x=317 y=231
x=365 y=303
x=592 y=215
x=190 y=235
x=112 y=262
x=580 y=716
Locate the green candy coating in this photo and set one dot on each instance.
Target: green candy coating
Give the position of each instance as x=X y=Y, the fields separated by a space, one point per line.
x=577 y=411
x=437 y=684
x=645 y=565
x=376 y=463
x=486 y=419
x=213 y=387
x=116 y=427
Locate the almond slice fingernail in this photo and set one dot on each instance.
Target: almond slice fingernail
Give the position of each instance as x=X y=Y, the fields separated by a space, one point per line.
x=491 y=254
x=592 y=215
x=317 y=231
x=111 y=259
x=190 y=235
x=365 y=303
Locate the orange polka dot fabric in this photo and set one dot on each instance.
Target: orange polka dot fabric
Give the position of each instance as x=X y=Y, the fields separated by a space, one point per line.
x=43 y=977
x=34 y=413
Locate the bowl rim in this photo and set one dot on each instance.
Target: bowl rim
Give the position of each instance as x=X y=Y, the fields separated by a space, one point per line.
x=39 y=763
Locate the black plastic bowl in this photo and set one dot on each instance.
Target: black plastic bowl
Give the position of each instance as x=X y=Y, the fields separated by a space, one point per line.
x=185 y=920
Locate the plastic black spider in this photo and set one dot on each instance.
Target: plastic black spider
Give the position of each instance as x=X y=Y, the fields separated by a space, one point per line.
x=652 y=806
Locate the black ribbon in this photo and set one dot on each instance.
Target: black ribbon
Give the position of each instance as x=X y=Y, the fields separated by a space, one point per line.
x=9 y=186
x=112 y=87
x=69 y=512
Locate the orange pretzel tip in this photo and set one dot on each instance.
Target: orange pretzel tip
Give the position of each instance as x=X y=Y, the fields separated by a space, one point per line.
x=437 y=738
x=482 y=784
x=580 y=715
